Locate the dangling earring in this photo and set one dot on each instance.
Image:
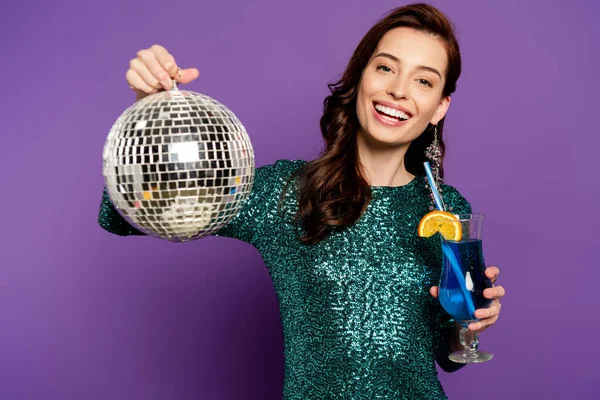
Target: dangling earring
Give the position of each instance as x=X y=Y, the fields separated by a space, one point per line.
x=434 y=153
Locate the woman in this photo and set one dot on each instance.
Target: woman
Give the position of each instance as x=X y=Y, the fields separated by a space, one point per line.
x=355 y=283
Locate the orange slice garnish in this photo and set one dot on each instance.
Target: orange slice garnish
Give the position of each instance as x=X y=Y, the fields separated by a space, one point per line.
x=443 y=222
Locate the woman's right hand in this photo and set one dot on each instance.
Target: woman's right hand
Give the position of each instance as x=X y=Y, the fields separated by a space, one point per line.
x=154 y=69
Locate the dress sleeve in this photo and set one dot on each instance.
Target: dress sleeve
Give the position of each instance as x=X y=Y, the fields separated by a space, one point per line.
x=445 y=324
x=111 y=221
x=257 y=211
x=260 y=211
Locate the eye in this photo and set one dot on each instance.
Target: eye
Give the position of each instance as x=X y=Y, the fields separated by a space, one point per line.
x=384 y=68
x=425 y=82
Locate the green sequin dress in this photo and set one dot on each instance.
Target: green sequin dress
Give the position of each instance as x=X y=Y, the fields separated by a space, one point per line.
x=358 y=319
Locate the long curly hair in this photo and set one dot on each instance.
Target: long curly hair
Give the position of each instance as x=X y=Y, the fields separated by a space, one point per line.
x=333 y=192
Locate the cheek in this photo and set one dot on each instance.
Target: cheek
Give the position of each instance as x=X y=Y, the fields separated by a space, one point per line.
x=368 y=88
x=362 y=95
x=362 y=102
x=373 y=85
x=427 y=106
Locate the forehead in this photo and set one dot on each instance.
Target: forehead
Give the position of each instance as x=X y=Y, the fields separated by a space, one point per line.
x=414 y=47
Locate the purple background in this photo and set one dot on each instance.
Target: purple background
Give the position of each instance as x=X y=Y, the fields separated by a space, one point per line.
x=88 y=315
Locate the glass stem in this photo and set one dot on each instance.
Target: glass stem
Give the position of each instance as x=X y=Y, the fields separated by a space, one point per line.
x=470 y=341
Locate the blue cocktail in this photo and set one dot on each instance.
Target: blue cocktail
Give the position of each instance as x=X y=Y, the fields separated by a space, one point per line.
x=462 y=283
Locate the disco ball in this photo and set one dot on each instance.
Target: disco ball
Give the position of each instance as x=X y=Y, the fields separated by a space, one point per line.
x=178 y=165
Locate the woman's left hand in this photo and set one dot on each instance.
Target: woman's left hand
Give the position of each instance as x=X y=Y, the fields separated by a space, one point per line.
x=487 y=316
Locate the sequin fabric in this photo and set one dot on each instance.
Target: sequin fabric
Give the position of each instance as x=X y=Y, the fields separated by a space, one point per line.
x=358 y=319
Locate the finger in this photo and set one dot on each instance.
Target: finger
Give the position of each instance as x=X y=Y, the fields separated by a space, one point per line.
x=492 y=273
x=165 y=60
x=491 y=311
x=188 y=75
x=140 y=68
x=137 y=83
x=434 y=290
x=494 y=293
x=480 y=326
x=168 y=63
x=152 y=65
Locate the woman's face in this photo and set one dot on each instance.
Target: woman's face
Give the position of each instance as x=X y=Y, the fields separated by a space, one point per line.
x=400 y=91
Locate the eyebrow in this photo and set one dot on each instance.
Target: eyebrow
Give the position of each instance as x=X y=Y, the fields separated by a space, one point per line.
x=419 y=67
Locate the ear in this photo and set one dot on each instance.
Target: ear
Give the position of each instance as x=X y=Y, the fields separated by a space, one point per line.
x=441 y=110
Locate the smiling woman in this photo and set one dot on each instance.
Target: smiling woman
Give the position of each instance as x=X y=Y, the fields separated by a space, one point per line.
x=401 y=87
x=355 y=284
x=409 y=63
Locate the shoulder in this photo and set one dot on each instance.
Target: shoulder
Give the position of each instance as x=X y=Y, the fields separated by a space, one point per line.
x=280 y=171
x=453 y=198
x=282 y=166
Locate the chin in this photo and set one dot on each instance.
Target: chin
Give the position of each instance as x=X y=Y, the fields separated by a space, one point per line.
x=381 y=139
x=388 y=137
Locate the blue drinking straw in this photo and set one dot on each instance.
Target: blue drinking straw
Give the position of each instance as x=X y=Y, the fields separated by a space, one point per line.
x=434 y=190
x=459 y=276
x=448 y=252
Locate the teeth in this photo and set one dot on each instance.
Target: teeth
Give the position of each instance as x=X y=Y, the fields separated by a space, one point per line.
x=392 y=112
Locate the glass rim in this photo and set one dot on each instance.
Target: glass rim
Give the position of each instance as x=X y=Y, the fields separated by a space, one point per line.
x=469 y=217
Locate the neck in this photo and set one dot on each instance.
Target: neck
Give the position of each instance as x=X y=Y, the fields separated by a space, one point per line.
x=383 y=165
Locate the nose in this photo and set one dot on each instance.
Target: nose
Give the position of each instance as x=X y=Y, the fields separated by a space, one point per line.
x=398 y=88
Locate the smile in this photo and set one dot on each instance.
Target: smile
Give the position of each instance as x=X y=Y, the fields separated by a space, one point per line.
x=390 y=116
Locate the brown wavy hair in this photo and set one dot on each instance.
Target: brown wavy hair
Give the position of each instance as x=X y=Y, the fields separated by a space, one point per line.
x=333 y=191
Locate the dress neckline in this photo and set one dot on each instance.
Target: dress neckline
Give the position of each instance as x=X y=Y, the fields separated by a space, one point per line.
x=384 y=189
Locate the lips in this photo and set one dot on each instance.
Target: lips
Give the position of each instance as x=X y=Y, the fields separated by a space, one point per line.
x=387 y=120
x=391 y=109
